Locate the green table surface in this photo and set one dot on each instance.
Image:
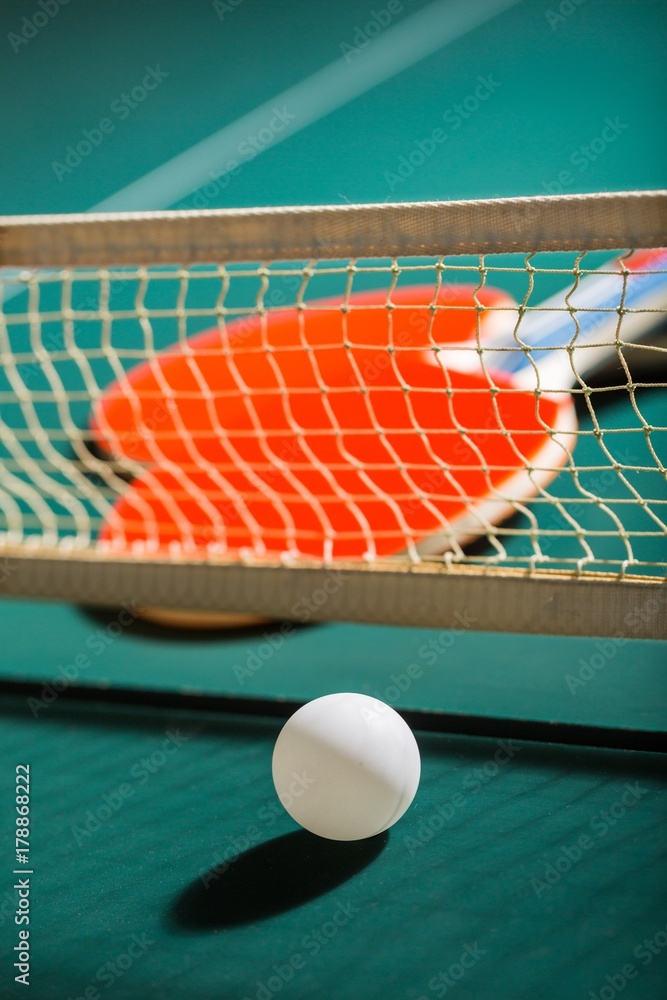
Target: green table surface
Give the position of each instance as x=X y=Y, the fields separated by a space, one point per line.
x=188 y=852
x=191 y=881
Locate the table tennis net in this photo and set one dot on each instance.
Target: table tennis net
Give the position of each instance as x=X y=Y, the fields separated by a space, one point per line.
x=450 y=411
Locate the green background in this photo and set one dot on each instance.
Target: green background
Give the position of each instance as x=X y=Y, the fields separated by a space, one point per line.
x=416 y=900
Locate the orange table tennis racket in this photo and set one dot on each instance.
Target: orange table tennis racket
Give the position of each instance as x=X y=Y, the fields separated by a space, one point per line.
x=356 y=434
x=287 y=434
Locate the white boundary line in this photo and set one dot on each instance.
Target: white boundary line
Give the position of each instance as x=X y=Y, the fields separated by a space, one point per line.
x=330 y=88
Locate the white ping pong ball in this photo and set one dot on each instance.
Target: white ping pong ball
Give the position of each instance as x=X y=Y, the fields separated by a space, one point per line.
x=346 y=766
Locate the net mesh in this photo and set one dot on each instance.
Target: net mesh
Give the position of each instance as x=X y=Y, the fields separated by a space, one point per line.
x=503 y=409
